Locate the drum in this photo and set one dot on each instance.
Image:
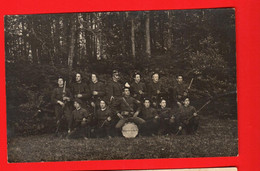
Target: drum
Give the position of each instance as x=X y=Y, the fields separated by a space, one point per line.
x=130 y=130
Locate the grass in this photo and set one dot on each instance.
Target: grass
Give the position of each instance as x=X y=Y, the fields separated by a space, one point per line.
x=214 y=138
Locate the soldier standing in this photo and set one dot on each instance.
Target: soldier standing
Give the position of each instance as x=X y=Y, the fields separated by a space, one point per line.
x=155 y=89
x=97 y=90
x=114 y=88
x=80 y=90
x=61 y=96
x=138 y=87
x=181 y=90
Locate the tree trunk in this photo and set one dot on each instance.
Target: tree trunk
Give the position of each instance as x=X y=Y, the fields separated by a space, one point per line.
x=147 y=35
x=72 y=43
x=133 y=37
x=169 y=40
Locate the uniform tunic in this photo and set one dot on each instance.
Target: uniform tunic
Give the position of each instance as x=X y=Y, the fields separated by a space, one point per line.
x=114 y=89
x=136 y=87
x=81 y=88
x=100 y=88
x=57 y=95
x=188 y=121
x=180 y=90
x=77 y=117
x=148 y=113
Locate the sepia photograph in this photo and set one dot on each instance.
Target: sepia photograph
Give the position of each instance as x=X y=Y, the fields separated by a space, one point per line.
x=121 y=85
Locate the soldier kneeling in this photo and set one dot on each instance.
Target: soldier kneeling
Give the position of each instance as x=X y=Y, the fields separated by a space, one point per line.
x=80 y=121
x=188 y=117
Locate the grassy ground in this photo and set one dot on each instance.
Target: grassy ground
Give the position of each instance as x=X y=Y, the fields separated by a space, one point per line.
x=215 y=137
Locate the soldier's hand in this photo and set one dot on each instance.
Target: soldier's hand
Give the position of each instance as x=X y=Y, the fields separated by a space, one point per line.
x=156 y=117
x=158 y=92
x=93 y=104
x=195 y=114
x=61 y=103
x=69 y=131
x=141 y=92
x=79 y=95
x=180 y=127
x=84 y=119
x=111 y=98
x=185 y=93
x=109 y=118
x=95 y=93
x=136 y=114
x=179 y=104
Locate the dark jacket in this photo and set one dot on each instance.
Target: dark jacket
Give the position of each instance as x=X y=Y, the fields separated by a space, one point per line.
x=114 y=89
x=165 y=113
x=103 y=115
x=153 y=88
x=126 y=104
x=81 y=88
x=99 y=87
x=77 y=117
x=186 y=112
x=179 y=90
x=148 y=113
x=57 y=94
x=136 y=88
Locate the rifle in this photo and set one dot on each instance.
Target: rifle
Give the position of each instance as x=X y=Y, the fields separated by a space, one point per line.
x=64 y=93
x=190 y=84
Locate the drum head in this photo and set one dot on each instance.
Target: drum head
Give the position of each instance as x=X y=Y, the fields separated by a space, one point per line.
x=130 y=130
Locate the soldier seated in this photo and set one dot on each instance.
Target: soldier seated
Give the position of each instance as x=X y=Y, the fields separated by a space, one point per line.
x=127 y=112
x=167 y=120
x=105 y=121
x=151 y=117
x=80 y=121
x=188 y=117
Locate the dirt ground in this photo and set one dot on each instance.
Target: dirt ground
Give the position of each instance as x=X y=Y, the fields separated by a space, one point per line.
x=214 y=138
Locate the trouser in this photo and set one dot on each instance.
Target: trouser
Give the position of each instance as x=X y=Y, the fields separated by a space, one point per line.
x=190 y=126
x=81 y=129
x=104 y=128
x=150 y=127
x=63 y=116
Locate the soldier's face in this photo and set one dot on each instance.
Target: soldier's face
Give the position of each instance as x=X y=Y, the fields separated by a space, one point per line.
x=102 y=104
x=179 y=79
x=127 y=92
x=94 y=78
x=76 y=105
x=60 y=82
x=78 y=77
x=186 y=102
x=137 y=78
x=155 y=77
x=116 y=77
x=163 y=103
x=147 y=103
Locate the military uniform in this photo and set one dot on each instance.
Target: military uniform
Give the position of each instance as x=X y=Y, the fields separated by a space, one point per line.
x=151 y=123
x=126 y=106
x=57 y=95
x=180 y=92
x=77 y=125
x=136 y=88
x=100 y=88
x=81 y=88
x=167 y=121
x=104 y=127
x=188 y=121
x=153 y=89
x=114 y=89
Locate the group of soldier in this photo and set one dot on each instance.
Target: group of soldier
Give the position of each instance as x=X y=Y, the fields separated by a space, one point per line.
x=101 y=110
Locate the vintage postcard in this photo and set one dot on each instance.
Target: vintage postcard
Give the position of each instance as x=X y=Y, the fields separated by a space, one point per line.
x=121 y=85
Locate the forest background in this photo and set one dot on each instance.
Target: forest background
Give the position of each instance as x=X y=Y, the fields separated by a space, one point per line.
x=197 y=44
